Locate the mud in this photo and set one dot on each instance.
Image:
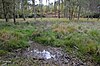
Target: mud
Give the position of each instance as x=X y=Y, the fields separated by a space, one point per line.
x=51 y=55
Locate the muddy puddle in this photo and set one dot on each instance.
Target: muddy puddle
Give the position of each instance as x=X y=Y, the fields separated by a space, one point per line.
x=51 y=55
x=43 y=56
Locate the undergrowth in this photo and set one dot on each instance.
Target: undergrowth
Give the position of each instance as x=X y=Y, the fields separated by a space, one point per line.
x=78 y=37
x=86 y=42
x=14 y=37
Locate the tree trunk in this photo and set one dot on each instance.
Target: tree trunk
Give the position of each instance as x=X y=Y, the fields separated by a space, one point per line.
x=6 y=19
x=46 y=7
x=99 y=15
x=69 y=16
x=4 y=10
x=34 y=9
x=14 y=16
x=41 y=8
x=88 y=16
x=65 y=8
x=79 y=12
x=59 y=9
x=24 y=17
x=71 y=11
x=62 y=7
x=23 y=10
x=55 y=7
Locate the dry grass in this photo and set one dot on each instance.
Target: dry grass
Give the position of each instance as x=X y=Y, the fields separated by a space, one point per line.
x=53 y=20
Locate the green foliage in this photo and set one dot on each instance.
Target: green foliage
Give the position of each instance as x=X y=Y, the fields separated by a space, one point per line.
x=14 y=37
x=72 y=39
x=11 y=40
x=2 y=52
x=95 y=35
x=46 y=38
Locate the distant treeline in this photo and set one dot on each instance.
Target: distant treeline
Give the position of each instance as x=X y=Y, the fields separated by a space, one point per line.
x=60 y=8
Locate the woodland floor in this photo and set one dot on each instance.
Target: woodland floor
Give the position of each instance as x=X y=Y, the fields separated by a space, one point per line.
x=50 y=43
